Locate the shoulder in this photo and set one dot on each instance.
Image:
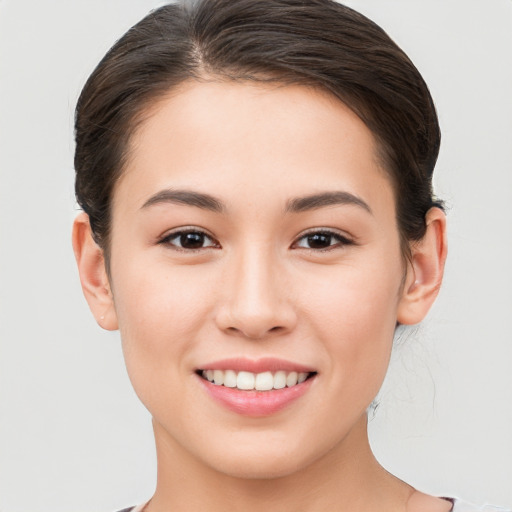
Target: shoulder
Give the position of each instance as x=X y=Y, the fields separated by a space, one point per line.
x=421 y=502
x=463 y=506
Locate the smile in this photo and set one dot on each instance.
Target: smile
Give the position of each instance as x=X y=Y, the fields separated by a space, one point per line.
x=256 y=388
x=247 y=381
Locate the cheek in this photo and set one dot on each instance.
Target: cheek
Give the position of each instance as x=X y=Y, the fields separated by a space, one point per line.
x=160 y=313
x=357 y=296
x=355 y=314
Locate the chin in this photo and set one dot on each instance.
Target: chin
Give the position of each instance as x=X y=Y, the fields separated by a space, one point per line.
x=260 y=468
x=268 y=459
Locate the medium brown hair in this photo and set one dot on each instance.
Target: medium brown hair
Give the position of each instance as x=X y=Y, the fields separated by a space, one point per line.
x=318 y=43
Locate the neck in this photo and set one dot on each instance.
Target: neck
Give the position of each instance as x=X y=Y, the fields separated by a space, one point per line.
x=348 y=478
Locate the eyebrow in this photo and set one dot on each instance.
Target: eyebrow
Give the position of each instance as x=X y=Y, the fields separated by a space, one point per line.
x=295 y=205
x=186 y=197
x=323 y=199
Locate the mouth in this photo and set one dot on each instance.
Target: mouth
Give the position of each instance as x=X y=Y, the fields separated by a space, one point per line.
x=249 y=381
x=256 y=388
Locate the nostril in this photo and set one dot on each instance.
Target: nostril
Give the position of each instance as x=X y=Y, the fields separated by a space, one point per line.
x=255 y=333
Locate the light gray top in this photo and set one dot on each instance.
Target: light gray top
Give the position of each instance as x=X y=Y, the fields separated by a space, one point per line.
x=458 y=506
x=462 y=506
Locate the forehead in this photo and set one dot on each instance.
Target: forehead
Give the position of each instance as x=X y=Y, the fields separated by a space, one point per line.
x=224 y=135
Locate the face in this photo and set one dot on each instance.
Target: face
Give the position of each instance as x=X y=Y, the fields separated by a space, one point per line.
x=254 y=244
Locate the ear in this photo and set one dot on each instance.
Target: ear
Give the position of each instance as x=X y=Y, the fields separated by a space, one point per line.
x=93 y=275
x=425 y=270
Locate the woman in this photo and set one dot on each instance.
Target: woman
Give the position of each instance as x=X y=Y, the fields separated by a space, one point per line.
x=258 y=219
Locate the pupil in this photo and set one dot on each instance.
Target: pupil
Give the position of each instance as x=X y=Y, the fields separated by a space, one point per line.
x=192 y=240
x=319 y=241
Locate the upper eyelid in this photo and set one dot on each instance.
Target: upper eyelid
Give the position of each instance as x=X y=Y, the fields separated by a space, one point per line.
x=185 y=229
x=173 y=233
x=330 y=231
x=343 y=239
x=311 y=231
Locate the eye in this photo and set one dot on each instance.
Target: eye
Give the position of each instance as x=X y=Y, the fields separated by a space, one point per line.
x=322 y=240
x=189 y=239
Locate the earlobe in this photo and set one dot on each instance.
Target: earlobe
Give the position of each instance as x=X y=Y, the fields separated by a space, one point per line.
x=425 y=272
x=93 y=275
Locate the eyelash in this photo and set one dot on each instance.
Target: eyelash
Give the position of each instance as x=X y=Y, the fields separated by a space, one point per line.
x=167 y=239
x=340 y=240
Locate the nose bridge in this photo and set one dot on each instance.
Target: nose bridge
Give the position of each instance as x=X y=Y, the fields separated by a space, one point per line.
x=256 y=301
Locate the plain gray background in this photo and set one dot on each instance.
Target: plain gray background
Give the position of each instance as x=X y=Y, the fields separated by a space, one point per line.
x=73 y=437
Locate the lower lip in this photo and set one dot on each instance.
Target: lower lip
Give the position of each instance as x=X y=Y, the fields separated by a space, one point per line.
x=256 y=403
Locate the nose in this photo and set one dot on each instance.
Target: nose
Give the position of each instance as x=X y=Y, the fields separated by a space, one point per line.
x=256 y=303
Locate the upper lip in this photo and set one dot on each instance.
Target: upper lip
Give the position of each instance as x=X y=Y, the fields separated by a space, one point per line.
x=265 y=364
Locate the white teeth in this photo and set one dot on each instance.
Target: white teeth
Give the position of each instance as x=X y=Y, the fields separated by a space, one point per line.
x=230 y=379
x=279 y=380
x=245 y=380
x=218 y=377
x=264 y=381
x=291 y=379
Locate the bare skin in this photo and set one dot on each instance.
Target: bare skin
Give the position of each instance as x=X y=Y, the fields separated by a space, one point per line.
x=368 y=489
x=240 y=168
x=420 y=502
